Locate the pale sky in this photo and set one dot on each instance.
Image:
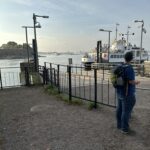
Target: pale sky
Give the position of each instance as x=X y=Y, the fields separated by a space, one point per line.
x=73 y=25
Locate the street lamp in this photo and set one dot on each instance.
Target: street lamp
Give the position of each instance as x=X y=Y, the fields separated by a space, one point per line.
x=36 y=49
x=117 y=24
x=26 y=32
x=108 y=40
x=142 y=30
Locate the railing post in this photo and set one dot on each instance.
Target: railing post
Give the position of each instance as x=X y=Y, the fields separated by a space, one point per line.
x=45 y=75
x=58 y=84
x=1 y=80
x=95 y=88
x=70 y=88
x=27 y=76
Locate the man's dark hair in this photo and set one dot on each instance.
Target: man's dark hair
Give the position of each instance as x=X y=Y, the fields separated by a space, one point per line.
x=128 y=56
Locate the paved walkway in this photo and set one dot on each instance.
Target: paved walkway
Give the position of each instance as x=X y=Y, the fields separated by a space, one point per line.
x=30 y=119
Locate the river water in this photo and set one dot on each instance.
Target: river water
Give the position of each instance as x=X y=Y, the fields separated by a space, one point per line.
x=10 y=68
x=57 y=59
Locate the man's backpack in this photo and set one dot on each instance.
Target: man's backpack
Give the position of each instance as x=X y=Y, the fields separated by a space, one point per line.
x=118 y=78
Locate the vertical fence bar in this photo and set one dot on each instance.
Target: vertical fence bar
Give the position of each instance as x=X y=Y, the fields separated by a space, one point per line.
x=54 y=76
x=75 y=84
x=103 y=72
x=51 y=74
x=79 y=86
x=70 y=88
x=45 y=73
x=84 y=84
x=95 y=88
x=44 y=76
x=90 y=89
x=108 y=91
x=58 y=84
x=1 y=80
x=102 y=89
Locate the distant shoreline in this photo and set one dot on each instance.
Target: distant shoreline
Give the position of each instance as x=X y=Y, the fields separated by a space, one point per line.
x=15 y=53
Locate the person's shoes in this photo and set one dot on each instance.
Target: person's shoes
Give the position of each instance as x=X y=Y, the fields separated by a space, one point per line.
x=124 y=131
x=129 y=131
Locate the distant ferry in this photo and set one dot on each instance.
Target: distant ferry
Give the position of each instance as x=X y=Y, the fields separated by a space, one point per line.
x=116 y=55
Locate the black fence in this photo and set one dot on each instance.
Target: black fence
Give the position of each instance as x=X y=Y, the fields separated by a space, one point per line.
x=90 y=84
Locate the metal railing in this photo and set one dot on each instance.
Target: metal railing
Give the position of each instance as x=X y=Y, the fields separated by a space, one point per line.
x=91 y=85
x=77 y=82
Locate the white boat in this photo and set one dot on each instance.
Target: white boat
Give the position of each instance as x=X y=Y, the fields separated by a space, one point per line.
x=89 y=58
x=116 y=53
x=119 y=48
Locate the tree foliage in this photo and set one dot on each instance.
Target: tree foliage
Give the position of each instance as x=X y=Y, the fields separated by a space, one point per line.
x=14 y=45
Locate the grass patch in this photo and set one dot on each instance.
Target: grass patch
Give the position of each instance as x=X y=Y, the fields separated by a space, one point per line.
x=64 y=97
x=91 y=105
x=51 y=89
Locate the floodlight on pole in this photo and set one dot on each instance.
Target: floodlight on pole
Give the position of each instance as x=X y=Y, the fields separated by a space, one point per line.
x=36 y=49
x=108 y=40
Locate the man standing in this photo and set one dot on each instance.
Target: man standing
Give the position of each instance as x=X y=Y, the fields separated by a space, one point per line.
x=126 y=96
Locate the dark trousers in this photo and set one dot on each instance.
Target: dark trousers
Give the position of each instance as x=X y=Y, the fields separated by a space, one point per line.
x=124 y=109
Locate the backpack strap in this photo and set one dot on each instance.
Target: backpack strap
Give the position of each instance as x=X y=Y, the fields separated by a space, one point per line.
x=125 y=66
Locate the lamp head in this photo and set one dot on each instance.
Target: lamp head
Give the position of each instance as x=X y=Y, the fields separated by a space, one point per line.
x=101 y=29
x=45 y=16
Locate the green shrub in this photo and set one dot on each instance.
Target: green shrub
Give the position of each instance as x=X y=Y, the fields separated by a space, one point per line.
x=91 y=105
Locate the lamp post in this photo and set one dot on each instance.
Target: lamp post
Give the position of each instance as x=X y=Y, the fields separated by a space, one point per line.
x=26 y=32
x=108 y=40
x=142 y=30
x=36 y=49
x=117 y=24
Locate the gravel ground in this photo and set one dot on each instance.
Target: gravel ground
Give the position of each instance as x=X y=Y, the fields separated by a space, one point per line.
x=30 y=119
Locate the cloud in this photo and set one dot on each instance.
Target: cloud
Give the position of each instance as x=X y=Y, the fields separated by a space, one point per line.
x=23 y=2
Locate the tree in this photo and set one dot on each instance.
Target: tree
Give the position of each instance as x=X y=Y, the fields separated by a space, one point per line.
x=14 y=45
